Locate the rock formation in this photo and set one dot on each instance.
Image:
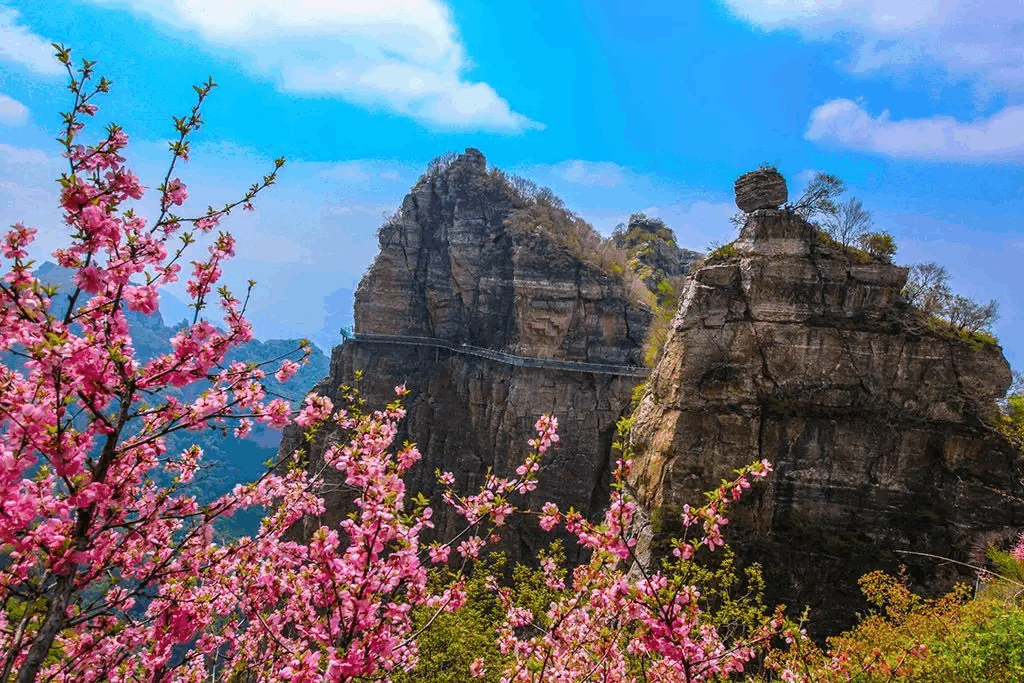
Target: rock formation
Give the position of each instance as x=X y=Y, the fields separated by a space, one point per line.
x=796 y=350
x=764 y=188
x=651 y=247
x=476 y=264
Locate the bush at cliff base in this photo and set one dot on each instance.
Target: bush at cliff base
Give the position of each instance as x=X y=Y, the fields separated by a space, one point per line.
x=909 y=638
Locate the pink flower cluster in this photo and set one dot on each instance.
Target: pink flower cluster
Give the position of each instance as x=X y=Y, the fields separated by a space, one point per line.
x=614 y=611
x=109 y=575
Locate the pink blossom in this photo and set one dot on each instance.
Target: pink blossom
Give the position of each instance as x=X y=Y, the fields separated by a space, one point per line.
x=142 y=299
x=286 y=371
x=1018 y=550
x=176 y=193
x=477 y=669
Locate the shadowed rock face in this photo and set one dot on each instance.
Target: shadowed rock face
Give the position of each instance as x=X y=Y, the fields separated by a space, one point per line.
x=452 y=267
x=795 y=352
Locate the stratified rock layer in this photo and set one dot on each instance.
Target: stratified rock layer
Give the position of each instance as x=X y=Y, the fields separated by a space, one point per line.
x=761 y=189
x=459 y=266
x=804 y=355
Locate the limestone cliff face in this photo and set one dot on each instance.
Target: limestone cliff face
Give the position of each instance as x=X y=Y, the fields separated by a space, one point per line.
x=462 y=268
x=799 y=352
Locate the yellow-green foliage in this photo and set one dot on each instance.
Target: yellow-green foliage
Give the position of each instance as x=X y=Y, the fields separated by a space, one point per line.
x=637 y=394
x=723 y=252
x=657 y=333
x=848 y=251
x=451 y=641
x=26 y=617
x=731 y=599
x=667 y=293
x=879 y=244
x=976 y=340
x=1010 y=420
x=910 y=638
x=664 y=310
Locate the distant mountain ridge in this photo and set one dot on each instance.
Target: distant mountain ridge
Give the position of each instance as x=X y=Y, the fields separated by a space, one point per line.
x=228 y=460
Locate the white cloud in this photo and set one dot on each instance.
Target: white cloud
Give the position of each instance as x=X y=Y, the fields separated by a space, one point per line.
x=12 y=112
x=976 y=40
x=402 y=55
x=19 y=156
x=19 y=45
x=591 y=173
x=972 y=41
x=847 y=124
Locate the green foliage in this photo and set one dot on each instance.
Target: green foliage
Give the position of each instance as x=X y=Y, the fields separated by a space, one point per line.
x=956 y=316
x=643 y=228
x=976 y=340
x=450 y=642
x=637 y=394
x=1014 y=422
x=1009 y=418
x=25 y=616
x=657 y=333
x=1009 y=569
x=878 y=244
x=911 y=638
x=825 y=238
x=731 y=598
x=723 y=252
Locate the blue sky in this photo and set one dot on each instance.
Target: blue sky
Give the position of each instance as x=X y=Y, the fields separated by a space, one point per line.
x=619 y=107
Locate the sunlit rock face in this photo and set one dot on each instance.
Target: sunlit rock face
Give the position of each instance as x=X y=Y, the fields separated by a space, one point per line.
x=462 y=265
x=805 y=354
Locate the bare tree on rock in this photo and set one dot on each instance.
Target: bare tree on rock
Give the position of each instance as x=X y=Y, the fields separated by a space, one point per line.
x=849 y=222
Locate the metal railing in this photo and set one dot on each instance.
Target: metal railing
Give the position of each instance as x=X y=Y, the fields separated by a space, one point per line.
x=499 y=356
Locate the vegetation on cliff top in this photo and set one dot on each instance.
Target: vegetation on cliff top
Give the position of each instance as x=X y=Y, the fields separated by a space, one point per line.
x=629 y=257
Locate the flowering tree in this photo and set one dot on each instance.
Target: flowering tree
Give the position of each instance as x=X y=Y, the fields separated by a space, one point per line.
x=108 y=574
x=615 y=621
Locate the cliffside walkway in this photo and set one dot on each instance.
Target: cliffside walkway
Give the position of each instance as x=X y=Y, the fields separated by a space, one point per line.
x=500 y=357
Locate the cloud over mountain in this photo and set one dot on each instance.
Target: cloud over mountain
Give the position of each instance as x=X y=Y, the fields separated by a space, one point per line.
x=404 y=56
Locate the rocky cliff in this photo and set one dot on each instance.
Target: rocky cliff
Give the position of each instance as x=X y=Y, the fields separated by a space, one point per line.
x=484 y=300
x=653 y=253
x=791 y=348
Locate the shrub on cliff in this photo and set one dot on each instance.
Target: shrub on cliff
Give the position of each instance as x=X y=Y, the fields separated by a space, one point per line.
x=878 y=244
x=910 y=638
x=929 y=291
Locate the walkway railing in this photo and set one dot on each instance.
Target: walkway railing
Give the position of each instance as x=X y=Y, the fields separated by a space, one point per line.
x=499 y=356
